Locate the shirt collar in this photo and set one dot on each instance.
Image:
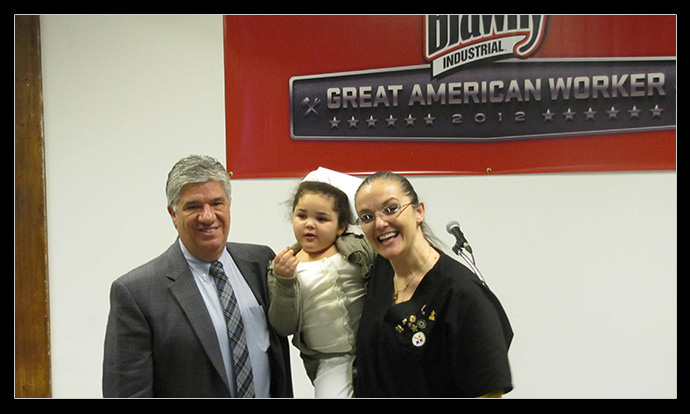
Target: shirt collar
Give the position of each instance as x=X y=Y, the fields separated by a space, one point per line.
x=200 y=266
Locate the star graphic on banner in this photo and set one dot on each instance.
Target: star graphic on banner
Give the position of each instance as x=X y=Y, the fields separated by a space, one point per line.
x=613 y=113
x=576 y=116
x=569 y=115
x=391 y=121
x=634 y=112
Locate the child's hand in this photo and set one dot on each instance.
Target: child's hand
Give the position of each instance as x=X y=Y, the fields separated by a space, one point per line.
x=285 y=263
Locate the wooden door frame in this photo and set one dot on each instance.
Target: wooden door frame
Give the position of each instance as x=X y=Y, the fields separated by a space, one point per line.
x=32 y=376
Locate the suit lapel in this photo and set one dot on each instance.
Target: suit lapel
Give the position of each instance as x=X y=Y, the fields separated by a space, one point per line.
x=249 y=263
x=184 y=289
x=248 y=272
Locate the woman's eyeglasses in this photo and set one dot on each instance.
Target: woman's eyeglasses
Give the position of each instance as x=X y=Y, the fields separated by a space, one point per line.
x=385 y=213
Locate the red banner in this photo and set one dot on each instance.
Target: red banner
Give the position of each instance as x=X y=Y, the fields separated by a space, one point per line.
x=508 y=94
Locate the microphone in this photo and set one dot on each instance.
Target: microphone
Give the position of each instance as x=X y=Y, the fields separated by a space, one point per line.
x=461 y=242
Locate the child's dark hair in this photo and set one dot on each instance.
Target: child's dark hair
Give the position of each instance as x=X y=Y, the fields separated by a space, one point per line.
x=341 y=204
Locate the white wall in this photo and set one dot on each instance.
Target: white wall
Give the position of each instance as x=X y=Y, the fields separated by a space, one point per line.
x=585 y=264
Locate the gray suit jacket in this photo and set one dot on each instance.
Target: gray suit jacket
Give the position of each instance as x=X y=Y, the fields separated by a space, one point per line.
x=160 y=341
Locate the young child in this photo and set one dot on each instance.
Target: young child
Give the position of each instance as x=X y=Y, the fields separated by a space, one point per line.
x=317 y=287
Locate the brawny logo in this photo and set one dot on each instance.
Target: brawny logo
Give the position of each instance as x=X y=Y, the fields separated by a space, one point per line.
x=452 y=41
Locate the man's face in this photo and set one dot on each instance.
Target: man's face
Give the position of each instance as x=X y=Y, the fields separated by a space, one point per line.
x=202 y=219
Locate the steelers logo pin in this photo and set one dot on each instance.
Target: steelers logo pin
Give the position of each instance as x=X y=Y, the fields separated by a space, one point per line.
x=418 y=339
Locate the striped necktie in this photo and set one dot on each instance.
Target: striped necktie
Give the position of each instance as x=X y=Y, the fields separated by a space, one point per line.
x=238 y=342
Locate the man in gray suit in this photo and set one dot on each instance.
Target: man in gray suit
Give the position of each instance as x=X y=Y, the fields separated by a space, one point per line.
x=167 y=335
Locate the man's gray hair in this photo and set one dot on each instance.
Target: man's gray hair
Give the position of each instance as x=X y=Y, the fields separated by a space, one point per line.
x=195 y=169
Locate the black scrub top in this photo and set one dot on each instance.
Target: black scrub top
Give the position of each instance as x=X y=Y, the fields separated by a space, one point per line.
x=450 y=339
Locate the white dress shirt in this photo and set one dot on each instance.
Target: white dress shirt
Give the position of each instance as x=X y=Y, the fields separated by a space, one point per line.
x=253 y=318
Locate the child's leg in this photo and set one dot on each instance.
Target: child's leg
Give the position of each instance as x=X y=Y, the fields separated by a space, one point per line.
x=334 y=378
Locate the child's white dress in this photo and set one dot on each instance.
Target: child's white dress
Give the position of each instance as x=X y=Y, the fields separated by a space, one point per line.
x=321 y=305
x=332 y=293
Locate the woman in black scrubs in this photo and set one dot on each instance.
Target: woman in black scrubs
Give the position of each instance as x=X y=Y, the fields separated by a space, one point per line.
x=430 y=328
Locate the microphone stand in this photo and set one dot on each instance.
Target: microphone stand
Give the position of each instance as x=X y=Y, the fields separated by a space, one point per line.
x=457 y=249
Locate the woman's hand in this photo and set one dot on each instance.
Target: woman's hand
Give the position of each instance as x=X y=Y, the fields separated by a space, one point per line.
x=285 y=263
